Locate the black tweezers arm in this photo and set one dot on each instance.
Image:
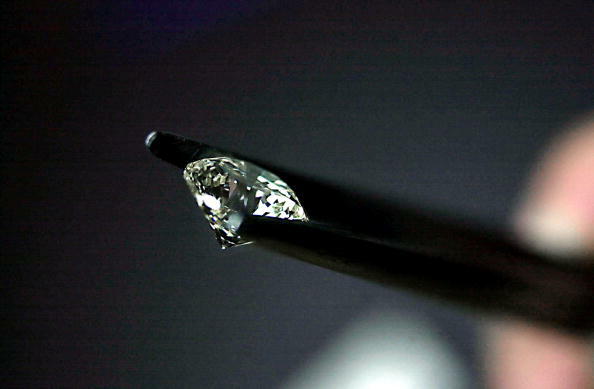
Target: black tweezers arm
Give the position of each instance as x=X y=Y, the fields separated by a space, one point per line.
x=493 y=281
x=366 y=236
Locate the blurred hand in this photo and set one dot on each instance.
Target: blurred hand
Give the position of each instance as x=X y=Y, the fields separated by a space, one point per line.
x=556 y=217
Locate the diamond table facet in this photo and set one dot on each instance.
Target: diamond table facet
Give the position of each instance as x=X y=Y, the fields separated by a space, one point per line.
x=229 y=189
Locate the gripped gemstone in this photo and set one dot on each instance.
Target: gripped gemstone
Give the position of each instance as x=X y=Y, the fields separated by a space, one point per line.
x=229 y=189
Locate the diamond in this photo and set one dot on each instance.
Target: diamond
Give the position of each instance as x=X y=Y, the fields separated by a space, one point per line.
x=229 y=189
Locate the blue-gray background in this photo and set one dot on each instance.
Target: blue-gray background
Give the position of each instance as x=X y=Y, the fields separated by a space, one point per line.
x=111 y=276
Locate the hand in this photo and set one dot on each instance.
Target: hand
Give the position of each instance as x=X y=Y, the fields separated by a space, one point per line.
x=557 y=217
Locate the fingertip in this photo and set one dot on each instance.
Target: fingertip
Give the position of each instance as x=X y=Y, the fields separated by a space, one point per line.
x=557 y=215
x=554 y=233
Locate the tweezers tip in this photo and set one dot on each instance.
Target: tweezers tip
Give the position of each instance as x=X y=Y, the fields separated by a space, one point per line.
x=150 y=138
x=173 y=148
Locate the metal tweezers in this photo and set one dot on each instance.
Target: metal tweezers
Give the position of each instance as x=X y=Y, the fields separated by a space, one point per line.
x=366 y=236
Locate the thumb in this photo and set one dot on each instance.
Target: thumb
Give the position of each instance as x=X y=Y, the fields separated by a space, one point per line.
x=557 y=214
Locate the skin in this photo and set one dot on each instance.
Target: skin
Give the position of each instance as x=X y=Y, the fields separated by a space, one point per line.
x=557 y=217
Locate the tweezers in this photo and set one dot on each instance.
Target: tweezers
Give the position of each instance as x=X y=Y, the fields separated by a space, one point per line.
x=366 y=236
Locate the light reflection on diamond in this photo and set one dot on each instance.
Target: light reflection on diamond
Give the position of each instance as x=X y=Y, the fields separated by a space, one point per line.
x=228 y=189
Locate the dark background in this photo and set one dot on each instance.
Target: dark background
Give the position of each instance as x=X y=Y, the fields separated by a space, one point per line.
x=110 y=275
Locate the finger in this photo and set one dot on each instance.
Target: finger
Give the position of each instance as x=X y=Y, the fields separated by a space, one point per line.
x=557 y=214
x=526 y=357
x=556 y=218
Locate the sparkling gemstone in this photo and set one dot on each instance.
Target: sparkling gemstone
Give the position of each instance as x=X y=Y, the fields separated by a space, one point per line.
x=228 y=189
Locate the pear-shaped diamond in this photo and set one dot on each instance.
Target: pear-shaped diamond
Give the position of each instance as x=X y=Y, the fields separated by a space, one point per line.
x=228 y=189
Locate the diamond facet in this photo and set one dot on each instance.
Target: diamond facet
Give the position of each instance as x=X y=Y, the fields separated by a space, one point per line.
x=228 y=189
